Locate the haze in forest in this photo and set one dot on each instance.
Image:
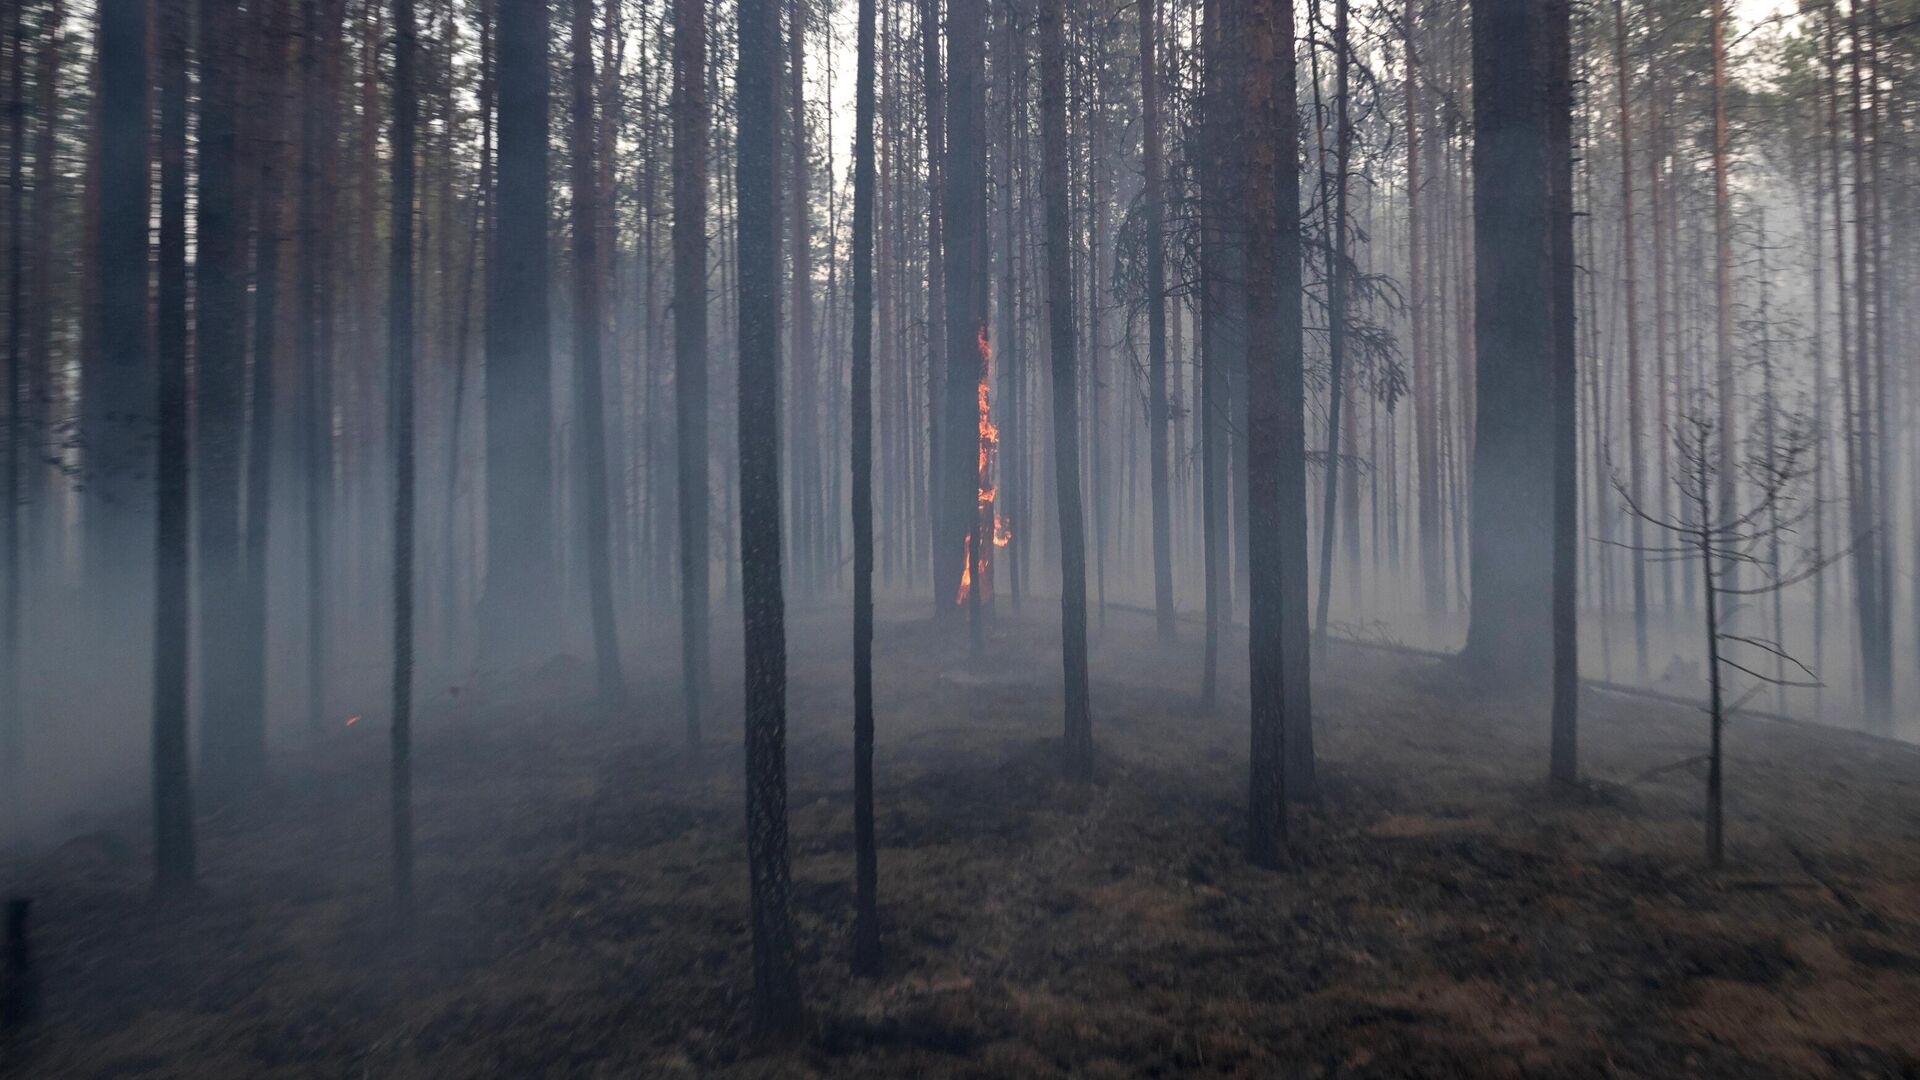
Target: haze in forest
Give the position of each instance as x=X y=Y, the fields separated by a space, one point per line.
x=1197 y=503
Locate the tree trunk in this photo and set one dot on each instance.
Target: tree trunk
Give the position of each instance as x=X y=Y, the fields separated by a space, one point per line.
x=253 y=634
x=232 y=739
x=1336 y=313
x=521 y=611
x=591 y=392
x=966 y=548
x=118 y=389
x=1636 y=422
x=1426 y=437
x=777 y=1009
x=16 y=440
x=1152 y=199
x=690 y=345
x=803 y=379
x=1557 y=65
x=1724 y=388
x=943 y=587
x=400 y=360
x=172 y=791
x=37 y=484
x=1275 y=443
x=1077 y=740
x=1510 y=640
x=866 y=915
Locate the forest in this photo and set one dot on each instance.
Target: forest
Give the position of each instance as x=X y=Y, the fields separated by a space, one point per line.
x=1207 y=537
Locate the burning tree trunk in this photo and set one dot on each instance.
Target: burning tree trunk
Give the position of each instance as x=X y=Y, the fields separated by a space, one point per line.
x=967 y=547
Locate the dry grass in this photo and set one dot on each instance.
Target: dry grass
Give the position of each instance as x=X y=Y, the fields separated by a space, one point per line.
x=583 y=893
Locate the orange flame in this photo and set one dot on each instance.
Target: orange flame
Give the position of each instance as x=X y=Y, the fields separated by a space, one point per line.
x=978 y=564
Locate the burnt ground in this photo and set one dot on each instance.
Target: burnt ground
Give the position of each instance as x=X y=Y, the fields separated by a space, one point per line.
x=583 y=910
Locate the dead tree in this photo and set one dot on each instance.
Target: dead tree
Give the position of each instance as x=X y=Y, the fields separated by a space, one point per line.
x=1722 y=538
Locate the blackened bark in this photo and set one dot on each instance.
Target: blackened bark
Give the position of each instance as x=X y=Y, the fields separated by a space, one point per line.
x=172 y=791
x=1510 y=638
x=1636 y=407
x=521 y=609
x=803 y=379
x=16 y=438
x=252 y=636
x=1153 y=200
x=777 y=1007
x=965 y=546
x=316 y=435
x=232 y=739
x=118 y=388
x=690 y=124
x=936 y=135
x=1214 y=291
x=866 y=916
x=596 y=521
x=400 y=360
x=1336 y=316
x=1078 y=735
x=1264 y=32
x=1557 y=56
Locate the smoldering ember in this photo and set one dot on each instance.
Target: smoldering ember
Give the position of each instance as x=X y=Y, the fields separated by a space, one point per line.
x=1255 y=538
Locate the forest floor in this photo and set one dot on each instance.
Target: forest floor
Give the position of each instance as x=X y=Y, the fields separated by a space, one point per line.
x=582 y=889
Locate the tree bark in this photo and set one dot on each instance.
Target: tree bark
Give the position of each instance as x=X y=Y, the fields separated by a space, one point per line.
x=1152 y=199
x=400 y=362
x=966 y=547
x=777 y=1010
x=253 y=634
x=233 y=739
x=174 y=857
x=591 y=391
x=521 y=610
x=1077 y=739
x=1510 y=640
x=866 y=916
x=1275 y=438
x=690 y=121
